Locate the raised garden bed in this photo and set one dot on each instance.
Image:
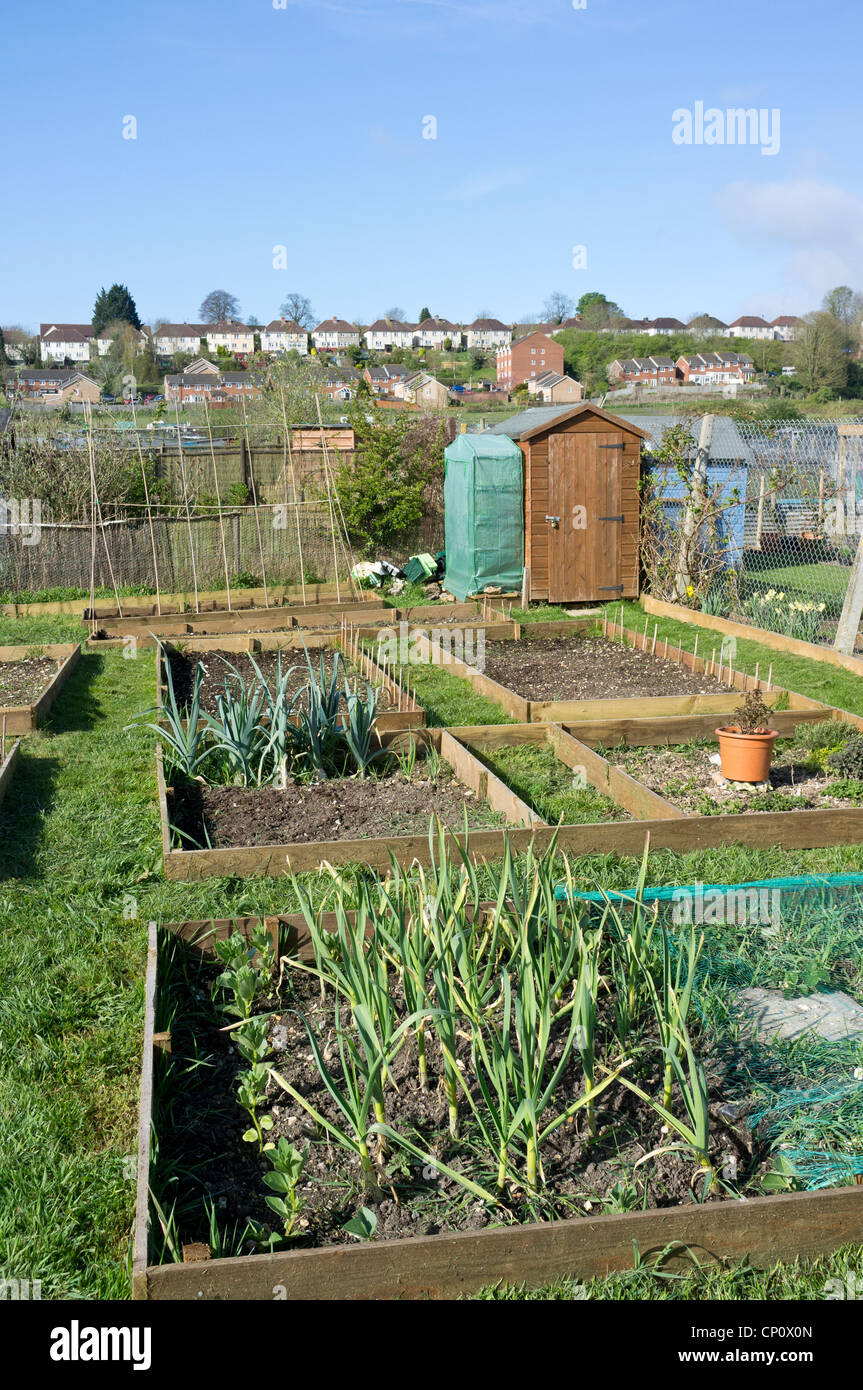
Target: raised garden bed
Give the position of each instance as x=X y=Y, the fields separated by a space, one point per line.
x=621 y=659
x=31 y=678
x=398 y=707
x=9 y=756
x=688 y=778
x=413 y=1230
x=335 y=820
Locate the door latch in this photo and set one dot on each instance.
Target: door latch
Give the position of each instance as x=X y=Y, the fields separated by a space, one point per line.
x=555 y=521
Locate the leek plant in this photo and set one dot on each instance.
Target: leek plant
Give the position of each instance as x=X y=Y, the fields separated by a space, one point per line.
x=359 y=730
x=179 y=729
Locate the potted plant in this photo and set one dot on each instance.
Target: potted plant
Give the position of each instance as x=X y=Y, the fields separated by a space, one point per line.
x=746 y=747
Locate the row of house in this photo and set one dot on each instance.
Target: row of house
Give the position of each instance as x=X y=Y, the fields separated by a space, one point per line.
x=698 y=369
x=76 y=342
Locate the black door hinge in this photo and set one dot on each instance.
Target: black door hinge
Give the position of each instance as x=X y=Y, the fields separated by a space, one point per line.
x=611 y=518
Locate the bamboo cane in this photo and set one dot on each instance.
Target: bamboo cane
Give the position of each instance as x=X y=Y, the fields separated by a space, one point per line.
x=149 y=510
x=101 y=518
x=219 y=500
x=188 y=513
x=255 y=505
x=290 y=451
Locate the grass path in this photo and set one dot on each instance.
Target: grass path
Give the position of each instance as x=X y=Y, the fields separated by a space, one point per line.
x=80 y=876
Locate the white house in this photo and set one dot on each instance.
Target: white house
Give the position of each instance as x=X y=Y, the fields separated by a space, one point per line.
x=233 y=336
x=389 y=333
x=335 y=335
x=785 y=327
x=486 y=334
x=749 y=326
x=284 y=335
x=433 y=333
x=57 y=341
x=178 y=337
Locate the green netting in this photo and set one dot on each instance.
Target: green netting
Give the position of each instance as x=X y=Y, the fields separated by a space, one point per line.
x=483 y=514
x=802 y=1097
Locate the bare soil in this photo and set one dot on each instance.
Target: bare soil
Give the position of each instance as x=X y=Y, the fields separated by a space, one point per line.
x=686 y=777
x=217 y=666
x=589 y=668
x=582 y=1176
x=22 y=682
x=344 y=808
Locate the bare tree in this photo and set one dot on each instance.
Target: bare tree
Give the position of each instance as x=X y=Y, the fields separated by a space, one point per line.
x=397 y=314
x=844 y=305
x=218 y=306
x=298 y=309
x=557 y=307
x=819 y=355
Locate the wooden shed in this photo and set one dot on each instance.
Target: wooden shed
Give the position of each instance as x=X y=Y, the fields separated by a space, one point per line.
x=581 y=502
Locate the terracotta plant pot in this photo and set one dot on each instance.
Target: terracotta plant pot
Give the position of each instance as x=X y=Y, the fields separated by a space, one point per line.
x=745 y=757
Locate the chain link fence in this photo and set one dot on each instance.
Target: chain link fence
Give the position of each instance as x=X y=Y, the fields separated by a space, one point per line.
x=787 y=500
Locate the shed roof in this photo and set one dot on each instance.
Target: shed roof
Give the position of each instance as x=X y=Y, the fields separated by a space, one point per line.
x=727 y=442
x=538 y=418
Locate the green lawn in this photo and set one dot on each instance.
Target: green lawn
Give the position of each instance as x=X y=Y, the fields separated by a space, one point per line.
x=80 y=876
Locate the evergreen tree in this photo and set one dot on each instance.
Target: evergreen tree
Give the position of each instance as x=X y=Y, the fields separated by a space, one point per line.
x=113 y=304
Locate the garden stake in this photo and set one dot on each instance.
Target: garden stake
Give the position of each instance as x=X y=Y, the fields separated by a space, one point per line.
x=695 y=654
x=770 y=677
x=757 y=664
x=653 y=644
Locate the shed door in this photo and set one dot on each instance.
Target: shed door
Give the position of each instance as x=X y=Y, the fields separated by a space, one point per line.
x=584 y=548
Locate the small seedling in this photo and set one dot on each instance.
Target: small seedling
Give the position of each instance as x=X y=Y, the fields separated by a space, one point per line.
x=288 y=1164
x=363 y=1225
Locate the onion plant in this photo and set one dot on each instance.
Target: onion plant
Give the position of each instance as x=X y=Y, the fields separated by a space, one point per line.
x=584 y=1015
x=362 y=1065
x=671 y=999
x=695 y=1130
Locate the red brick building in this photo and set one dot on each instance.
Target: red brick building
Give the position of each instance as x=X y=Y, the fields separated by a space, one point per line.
x=528 y=357
x=213 y=388
x=643 y=371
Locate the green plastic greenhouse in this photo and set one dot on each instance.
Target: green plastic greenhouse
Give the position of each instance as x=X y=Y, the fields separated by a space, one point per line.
x=483 y=514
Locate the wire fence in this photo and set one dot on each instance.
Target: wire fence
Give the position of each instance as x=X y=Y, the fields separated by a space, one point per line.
x=786 y=525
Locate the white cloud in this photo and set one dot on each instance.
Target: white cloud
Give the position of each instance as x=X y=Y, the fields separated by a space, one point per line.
x=480 y=185
x=817 y=227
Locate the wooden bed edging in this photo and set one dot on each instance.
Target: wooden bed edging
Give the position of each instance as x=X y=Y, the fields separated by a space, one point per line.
x=776 y=641
x=23 y=719
x=626 y=707
x=7 y=768
x=762 y=1230
x=177 y=599
x=813 y=829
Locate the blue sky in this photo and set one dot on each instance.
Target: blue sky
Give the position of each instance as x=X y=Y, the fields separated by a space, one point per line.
x=302 y=127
